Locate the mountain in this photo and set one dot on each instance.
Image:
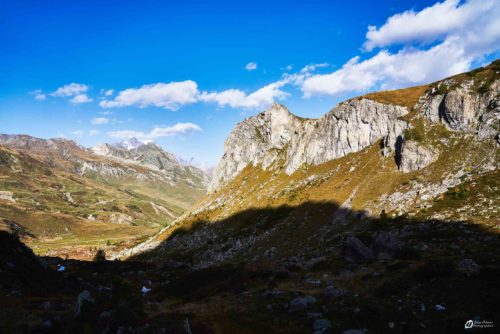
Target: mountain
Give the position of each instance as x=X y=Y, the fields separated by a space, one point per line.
x=407 y=152
x=61 y=195
x=379 y=210
x=381 y=216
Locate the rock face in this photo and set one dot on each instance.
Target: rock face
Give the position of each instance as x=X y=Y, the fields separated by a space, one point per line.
x=413 y=156
x=276 y=134
x=464 y=109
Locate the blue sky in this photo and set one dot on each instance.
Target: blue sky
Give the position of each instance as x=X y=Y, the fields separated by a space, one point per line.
x=184 y=73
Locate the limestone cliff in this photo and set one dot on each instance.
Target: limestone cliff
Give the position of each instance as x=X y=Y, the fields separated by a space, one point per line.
x=276 y=134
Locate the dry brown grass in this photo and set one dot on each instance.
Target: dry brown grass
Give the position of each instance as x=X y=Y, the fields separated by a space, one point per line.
x=406 y=97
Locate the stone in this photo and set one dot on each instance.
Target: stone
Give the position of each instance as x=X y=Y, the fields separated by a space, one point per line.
x=301 y=303
x=387 y=244
x=355 y=251
x=321 y=325
x=412 y=155
x=468 y=265
x=83 y=301
x=334 y=292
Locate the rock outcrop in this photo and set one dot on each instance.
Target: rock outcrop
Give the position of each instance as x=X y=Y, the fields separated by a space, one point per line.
x=276 y=135
x=463 y=108
x=413 y=156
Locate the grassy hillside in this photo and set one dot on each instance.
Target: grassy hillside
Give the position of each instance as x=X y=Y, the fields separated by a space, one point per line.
x=66 y=214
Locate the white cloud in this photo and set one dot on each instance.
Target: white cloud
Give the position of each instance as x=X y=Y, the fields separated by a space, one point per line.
x=71 y=89
x=108 y=92
x=80 y=98
x=459 y=48
x=164 y=95
x=430 y=24
x=236 y=98
x=77 y=133
x=38 y=94
x=94 y=133
x=251 y=66
x=100 y=120
x=168 y=131
x=312 y=67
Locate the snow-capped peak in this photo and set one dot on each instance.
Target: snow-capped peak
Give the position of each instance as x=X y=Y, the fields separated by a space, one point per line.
x=133 y=143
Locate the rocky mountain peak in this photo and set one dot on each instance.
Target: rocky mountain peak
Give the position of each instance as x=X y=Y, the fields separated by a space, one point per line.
x=132 y=143
x=466 y=103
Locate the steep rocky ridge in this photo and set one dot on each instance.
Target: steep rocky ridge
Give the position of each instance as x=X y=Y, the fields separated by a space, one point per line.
x=277 y=137
x=403 y=163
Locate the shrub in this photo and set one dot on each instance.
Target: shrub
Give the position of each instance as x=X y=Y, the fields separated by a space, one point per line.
x=414 y=134
x=461 y=192
x=442 y=89
x=100 y=256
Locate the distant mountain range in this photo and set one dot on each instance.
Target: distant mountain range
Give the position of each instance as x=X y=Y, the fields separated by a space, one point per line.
x=154 y=187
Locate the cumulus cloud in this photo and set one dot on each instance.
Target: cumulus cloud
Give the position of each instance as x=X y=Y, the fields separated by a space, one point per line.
x=175 y=94
x=460 y=45
x=251 y=66
x=164 y=95
x=100 y=120
x=80 y=98
x=168 y=131
x=71 y=89
x=108 y=92
x=77 y=133
x=312 y=67
x=38 y=94
x=76 y=91
x=430 y=24
x=236 y=98
x=94 y=133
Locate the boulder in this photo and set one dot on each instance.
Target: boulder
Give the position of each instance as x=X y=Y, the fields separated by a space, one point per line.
x=301 y=303
x=412 y=155
x=83 y=301
x=355 y=251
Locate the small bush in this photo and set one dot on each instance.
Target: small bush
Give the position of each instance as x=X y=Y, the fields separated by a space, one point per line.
x=414 y=134
x=100 y=255
x=442 y=89
x=461 y=192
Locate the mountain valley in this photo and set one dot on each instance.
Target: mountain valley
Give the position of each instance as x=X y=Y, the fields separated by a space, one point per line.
x=380 y=216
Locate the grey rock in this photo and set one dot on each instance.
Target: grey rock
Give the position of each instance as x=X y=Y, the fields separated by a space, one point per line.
x=277 y=134
x=411 y=155
x=468 y=265
x=301 y=303
x=321 y=325
x=462 y=108
x=387 y=244
x=334 y=292
x=83 y=301
x=355 y=251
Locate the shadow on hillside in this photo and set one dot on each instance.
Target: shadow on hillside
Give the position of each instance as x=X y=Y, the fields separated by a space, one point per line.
x=242 y=272
x=401 y=264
